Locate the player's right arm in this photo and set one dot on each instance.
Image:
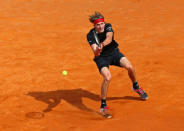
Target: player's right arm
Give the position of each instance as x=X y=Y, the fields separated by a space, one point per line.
x=91 y=40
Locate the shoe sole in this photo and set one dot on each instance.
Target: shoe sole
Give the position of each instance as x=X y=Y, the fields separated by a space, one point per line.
x=106 y=115
x=145 y=98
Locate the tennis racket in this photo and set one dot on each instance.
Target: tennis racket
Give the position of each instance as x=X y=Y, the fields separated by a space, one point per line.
x=96 y=38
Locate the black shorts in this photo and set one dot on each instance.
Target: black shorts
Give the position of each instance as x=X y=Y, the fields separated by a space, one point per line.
x=112 y=59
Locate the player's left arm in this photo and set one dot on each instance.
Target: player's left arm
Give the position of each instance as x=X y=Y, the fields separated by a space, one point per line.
x=108 y=40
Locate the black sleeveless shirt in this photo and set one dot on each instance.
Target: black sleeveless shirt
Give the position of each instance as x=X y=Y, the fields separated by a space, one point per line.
x=108 y=49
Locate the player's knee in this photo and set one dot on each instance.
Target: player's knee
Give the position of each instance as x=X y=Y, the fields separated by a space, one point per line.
x=130 y=68
x=107 y=78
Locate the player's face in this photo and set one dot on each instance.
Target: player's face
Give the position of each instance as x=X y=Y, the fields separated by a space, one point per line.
x=99 y=27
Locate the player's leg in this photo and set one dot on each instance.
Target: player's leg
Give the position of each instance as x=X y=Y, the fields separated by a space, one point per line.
x=105 y=84
x=124 y=62
x=103 y=64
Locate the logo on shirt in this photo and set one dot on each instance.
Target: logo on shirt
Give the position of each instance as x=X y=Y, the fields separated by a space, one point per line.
x=109 y=28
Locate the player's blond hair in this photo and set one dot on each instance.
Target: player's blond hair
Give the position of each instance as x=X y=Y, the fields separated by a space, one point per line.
x=95 y=16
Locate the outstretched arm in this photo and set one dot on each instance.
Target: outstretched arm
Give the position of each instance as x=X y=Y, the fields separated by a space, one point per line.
x=108 y=39
x=96 y=49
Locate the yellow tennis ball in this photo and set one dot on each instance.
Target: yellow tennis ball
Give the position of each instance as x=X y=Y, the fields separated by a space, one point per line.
x=64 y=72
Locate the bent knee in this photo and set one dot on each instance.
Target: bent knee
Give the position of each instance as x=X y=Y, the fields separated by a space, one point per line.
x=107 y=77
x=129 y=67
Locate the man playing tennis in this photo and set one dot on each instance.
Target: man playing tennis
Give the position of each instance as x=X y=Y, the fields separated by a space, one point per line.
x=107 y=53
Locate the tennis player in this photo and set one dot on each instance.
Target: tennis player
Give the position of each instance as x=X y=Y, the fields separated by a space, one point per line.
x=108 y=53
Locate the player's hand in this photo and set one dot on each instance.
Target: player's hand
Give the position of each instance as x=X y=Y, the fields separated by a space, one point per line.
x=101 y=47
x=98 y=51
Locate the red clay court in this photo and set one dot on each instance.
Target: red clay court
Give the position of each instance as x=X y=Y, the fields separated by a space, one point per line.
x=40 y=38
